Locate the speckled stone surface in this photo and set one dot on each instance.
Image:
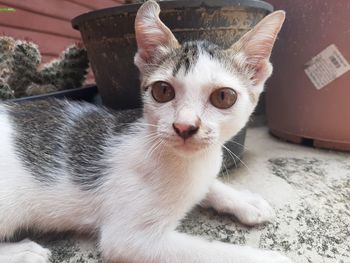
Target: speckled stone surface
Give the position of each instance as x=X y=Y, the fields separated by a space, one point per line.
x=309 y=188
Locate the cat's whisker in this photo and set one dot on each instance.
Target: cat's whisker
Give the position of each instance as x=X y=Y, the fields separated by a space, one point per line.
x=151 y=140
x=234 y=155
x=225 y=148
x=239 y=144
x=161 y=150
x=151 y=135
x=146 y=124
x=226 y=171
x=230 y=152
x=207 y=150
x=155 y=146
x=154 y=142
x=135 y=124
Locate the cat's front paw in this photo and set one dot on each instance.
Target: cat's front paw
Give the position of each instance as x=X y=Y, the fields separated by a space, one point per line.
x=30 y=252
x=252 y=209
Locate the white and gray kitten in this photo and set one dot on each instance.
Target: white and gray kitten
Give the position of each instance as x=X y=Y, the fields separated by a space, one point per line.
x=130 y=179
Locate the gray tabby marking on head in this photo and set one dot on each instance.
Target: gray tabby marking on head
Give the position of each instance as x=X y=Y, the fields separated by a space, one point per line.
x=55 y=137
x=187 y=56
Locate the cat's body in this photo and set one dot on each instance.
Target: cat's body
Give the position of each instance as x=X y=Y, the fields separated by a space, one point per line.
x=129 y=177
x=81 y=170
x=56 y=147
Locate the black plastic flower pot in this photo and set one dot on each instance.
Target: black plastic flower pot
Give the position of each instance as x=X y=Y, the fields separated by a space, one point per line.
x=87 y=93
x=109 y=38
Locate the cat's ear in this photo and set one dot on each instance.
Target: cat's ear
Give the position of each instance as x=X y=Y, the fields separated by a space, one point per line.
x=151 y=33
x=254 y=48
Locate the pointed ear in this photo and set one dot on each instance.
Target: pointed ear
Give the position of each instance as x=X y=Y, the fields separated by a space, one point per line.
x=255 y=47
x=151 y=33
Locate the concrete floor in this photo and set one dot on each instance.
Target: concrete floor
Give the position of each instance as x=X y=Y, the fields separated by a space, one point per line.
x=309 y=188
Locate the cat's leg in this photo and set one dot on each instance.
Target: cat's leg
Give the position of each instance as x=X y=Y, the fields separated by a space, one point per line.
x=180 y=248
x=25 y=251
x=249 y=208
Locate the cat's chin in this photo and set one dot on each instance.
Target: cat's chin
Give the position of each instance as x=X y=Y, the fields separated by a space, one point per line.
x=189 y=148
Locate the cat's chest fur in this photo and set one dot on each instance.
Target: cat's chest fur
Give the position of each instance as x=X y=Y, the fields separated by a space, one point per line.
x=165 y=186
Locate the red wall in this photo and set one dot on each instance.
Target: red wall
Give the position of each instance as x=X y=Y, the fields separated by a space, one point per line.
x=47 y=22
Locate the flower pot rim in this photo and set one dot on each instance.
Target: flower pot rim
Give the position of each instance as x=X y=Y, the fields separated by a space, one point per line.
x=171 y=4
x=91 y=89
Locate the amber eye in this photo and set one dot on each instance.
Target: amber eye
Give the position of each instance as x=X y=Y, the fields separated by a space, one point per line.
x=162 y=92
x=223 y=98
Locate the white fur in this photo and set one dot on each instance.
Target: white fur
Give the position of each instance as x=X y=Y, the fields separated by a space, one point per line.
x=26 y=251
x=156 y=178
x=137 y=210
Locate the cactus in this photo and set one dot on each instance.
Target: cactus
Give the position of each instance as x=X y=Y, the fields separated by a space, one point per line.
x=26 y=59
x=7 y=45
x=20 y=74
x=68 y=71
x=6 y=92
x=36 y=89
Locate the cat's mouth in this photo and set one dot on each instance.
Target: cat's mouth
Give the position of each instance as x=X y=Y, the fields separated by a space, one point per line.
x=190 y=145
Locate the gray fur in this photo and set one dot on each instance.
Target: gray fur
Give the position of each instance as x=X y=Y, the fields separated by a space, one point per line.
x=187 y=56
x=56 y=136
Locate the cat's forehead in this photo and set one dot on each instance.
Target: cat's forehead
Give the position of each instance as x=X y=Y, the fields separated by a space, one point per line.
x=202 y=64
x=187 y=56
x=197 y=63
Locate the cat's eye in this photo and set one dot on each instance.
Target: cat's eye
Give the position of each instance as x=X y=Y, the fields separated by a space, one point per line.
x=162 y=91
x=223 y=98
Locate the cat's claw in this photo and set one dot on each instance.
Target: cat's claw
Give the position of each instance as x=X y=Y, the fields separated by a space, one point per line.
x=253 y=209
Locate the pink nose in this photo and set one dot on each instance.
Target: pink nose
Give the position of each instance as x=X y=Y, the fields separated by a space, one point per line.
x=185 y=130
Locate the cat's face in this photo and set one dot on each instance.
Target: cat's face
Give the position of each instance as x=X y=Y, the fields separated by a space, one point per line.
x=197 y=94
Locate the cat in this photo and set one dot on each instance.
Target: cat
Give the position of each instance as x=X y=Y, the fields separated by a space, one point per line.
x=131 y=177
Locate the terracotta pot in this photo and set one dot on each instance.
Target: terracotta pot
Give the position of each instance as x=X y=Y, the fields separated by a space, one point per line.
x=297 y=110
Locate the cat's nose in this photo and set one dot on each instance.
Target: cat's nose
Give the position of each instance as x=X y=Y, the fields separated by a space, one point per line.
x=185 y=130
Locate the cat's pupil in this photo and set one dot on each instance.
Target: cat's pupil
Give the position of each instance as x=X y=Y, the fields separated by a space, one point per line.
x=222 y=95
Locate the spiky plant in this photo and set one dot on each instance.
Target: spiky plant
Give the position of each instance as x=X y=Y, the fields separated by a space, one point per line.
x=68 y=71
x=20 y=74
x=26 y=59
x=5 y=91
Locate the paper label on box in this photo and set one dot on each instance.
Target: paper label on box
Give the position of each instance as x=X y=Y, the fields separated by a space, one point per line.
x=326 y=67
